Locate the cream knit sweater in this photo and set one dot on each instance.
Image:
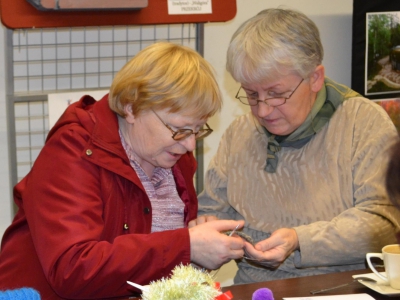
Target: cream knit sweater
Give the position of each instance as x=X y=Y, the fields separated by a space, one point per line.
x=331 y=191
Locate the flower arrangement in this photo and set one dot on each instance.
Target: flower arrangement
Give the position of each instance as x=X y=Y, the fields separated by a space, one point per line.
x=186 y=282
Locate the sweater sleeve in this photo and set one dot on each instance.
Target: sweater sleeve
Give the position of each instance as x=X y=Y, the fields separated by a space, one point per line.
x=213 y=200
x=372 y=221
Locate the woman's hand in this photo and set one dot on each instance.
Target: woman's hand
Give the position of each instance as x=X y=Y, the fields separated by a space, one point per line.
x=210 y=247
x=272 y=251
x=201 y=220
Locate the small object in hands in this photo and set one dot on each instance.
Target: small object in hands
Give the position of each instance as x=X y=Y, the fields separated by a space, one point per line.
x=244 y=236
x=251 y=258
x=263 y=294
x=233 y=231
x=342 y=285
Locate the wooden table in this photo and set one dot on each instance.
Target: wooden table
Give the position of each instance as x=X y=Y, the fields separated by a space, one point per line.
x=301 y=287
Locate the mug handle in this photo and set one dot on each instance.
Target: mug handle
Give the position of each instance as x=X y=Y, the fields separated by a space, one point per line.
x=371 y=266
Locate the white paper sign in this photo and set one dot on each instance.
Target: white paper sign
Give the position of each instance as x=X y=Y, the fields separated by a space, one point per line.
x=334 y=297
x=189 y=7
x=57 y=103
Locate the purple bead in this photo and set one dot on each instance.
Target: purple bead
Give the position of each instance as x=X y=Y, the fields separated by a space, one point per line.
x=263 y=294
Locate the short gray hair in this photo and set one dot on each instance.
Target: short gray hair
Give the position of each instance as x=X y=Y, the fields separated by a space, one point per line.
x=274 y=41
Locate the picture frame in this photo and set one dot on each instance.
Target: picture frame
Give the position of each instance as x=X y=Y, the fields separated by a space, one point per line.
x=376 y=54
x=376 y=38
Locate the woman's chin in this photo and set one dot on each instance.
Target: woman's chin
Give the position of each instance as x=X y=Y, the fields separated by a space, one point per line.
x=276 y=131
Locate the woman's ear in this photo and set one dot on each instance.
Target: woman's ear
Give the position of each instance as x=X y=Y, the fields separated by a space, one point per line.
x=317 y=78
x=129 y=117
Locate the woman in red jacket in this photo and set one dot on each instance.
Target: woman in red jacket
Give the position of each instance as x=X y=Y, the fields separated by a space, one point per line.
x=111 y=194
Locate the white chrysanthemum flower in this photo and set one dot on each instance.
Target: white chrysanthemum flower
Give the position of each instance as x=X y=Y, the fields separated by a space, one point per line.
x=185 y=283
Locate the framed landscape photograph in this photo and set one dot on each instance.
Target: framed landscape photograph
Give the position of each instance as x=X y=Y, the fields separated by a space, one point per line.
x=376 y=49
x=382 y=61
x=375 y=72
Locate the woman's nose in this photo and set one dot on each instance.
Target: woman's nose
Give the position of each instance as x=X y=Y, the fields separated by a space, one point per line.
x=264 y=109
x=189 y=143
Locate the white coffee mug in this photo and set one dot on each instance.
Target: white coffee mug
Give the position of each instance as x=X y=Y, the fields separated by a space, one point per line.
x=391 y=258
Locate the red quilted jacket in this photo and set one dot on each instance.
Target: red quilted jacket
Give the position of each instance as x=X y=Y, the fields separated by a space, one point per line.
x=84 y=219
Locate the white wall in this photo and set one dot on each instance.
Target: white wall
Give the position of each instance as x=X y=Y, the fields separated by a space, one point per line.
x=334 y=18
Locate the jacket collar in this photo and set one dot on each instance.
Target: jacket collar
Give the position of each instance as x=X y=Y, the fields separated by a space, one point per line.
x=101 y=123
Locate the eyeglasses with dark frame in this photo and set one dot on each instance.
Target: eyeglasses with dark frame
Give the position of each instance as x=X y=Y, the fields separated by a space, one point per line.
x=272 y=102
x=182 y=134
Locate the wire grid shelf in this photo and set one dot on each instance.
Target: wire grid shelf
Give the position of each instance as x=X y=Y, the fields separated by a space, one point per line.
x=71 y=59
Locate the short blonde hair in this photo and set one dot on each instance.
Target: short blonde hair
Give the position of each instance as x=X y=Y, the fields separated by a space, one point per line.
x=166 y=76
x=275 y=41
